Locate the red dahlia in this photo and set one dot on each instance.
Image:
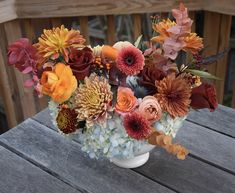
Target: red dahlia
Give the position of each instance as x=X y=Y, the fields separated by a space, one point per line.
x=137 y=126
x=130 y=60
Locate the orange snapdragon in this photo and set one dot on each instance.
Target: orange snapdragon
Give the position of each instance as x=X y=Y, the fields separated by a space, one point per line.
x=59 y=84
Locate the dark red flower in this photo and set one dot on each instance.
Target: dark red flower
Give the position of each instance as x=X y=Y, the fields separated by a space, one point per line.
x=137 y=126
x=204 y=96
x=80 y=62
x=22 y=55
x=67 y=120
x=130 y=60
x=148 y=77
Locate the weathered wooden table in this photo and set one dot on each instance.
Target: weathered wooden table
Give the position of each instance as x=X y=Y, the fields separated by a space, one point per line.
x=35 y=158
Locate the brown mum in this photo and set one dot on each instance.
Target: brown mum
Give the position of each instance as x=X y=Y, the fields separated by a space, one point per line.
x=173 y=94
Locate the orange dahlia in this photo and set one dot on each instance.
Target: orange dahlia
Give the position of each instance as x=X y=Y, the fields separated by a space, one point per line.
x=162 y=28
x=193 y=43
x=54 y=42
x=174 y=95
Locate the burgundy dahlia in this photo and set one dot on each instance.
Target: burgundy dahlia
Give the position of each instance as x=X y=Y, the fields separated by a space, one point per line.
x=137 y=126
x=204 y=96
x=80 y=62
x=67 y=120
x=130 y=60
x=148 y=76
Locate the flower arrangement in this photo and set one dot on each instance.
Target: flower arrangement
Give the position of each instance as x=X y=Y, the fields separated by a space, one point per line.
x=116 y=99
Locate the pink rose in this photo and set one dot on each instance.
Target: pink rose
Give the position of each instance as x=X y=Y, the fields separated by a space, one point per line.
x=150 y=108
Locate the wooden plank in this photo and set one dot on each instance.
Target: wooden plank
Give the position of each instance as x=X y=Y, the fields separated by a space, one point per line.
x=61 y=8
x=188 y=176
x=7 y=10
x=18 y=175
x=64 y=158
x=6 y=94
x=221 y=120
x=56 y=22
x=208 y=145
x=202 y=142
x=137 y=25
x=83 y=21
x=111 y=33
x=224 y=39
x=225 y=6
x=211 y=36
x=13 y=32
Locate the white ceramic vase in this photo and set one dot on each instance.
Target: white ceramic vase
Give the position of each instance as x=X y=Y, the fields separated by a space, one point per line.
x=141 y=157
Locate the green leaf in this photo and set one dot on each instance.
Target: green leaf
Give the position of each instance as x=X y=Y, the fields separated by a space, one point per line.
x=137 y=42
x=202 y=74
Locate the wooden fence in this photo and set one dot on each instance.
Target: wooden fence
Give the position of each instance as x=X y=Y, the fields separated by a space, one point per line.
x=25 y=17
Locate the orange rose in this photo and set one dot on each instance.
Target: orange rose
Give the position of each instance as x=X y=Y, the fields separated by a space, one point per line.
x=150 y=108
x=59 y=84
x=126 y=101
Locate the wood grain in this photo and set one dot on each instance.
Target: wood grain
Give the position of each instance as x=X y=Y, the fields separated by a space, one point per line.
x=189 y=176
x=83 y=21
x=7 y=10
x=13 y=32
x=65 y=159
x=221 y=120
x=136 y=25
x=111 y=33
x=61 y=8
x=223 y=44
x=18 y=175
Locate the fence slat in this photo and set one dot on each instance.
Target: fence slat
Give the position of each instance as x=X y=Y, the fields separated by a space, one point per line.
x=13 y=32
x=6 y=94
x=84 y=28
x=192 y=15
x=224 y=39
x=137 y=25
x=111 y=35
x=56 y=22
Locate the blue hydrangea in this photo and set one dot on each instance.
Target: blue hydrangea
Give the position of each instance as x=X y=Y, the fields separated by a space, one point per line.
x=110 y=141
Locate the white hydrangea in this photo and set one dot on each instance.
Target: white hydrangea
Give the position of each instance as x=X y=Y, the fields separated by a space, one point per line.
x=53 y=107
x=111 y=141
x=169 y=125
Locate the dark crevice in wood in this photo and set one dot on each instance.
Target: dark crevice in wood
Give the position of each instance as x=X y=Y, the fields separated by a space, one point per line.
x=156 y=181
x=42 y=167
x=209 y=128
x=211 y=163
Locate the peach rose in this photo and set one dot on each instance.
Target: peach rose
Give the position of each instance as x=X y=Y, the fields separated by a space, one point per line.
x=150 y=108
x=126 y=101
x=59 y=84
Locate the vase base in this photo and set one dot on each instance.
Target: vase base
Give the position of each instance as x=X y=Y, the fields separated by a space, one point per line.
x=134 y=162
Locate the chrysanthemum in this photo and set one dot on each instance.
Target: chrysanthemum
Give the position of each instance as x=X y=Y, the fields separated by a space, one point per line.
x=173 y=94
x=93 y=99
x=137 y=126
x=193 y=43
x=54 y=42
x=130 y=60
x=162 y=28
x=67 y=120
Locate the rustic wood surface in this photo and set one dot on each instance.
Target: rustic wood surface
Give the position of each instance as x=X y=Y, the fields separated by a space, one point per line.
x=208 y=168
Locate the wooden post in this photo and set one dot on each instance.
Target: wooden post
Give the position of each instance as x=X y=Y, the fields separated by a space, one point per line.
x=137 y=25
x=56 y=22
x=84 y=28
x=25 y=97
x=217 y=29
x=111 y=36
x=6 y=94
x=224 y=39
x=40 y=103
